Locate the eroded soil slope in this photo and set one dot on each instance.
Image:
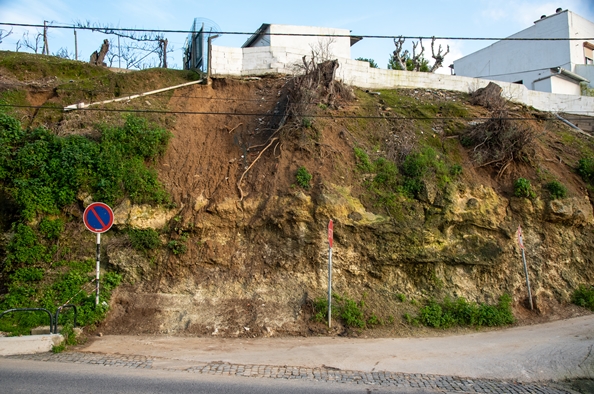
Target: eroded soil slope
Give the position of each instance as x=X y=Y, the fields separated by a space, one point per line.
x=254 y=252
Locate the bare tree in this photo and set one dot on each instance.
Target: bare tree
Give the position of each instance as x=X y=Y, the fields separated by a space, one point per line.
x=4 y=34
x=162 y=52
x=322 y=50
x=402 y=60
x=398 y=56
x=438 y=57
x=34 y=44
x=417 y=58
x=63 y=53
x=137 y=48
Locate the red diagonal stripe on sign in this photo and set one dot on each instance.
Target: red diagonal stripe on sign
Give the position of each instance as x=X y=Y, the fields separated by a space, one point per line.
x=97 y=216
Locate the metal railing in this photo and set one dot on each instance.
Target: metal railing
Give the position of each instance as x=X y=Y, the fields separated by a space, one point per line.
x=34 y=309
x=58 y=315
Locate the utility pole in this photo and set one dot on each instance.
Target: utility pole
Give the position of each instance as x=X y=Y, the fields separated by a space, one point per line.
x=75 y=46
x=45 y=45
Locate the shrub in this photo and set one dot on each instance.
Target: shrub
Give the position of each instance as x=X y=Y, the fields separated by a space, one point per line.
x=144 y=240
x=584 y=296
x=348 y=310
x=352 y=313
x=586 y=169
x=363 y=162
x=456 y=170
x=523 y=188
x=463 y=313
x=51 y=229
x=177 y=247
x=303 y=177
x=386 y=177
x=557 y=189
x=43 y=172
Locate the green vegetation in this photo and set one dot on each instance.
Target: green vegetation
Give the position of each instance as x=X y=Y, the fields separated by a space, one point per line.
x=177 y=246
x=557 y=189
x=410 y=65
x=40 y=175
x=460 y=312
x=584 y=296
x=372 y=63
x=43 y=172
x=523 y=188
x=586 y=169
x=349 y=311
x=303 y=177
x=144 y=240
x=417 y=168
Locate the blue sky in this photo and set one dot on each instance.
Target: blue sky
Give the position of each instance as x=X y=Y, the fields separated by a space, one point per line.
x=475 y=18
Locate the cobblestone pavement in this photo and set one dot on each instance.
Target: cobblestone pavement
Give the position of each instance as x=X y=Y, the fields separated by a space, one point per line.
x=445 y=384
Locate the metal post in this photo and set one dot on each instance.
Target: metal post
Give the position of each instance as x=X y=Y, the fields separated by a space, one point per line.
x=75 y=46
x=119 y=54
x=330 y=287
x=98 y=267
x=527 y=279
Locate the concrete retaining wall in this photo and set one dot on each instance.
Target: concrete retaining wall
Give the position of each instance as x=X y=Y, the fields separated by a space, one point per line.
x=228 y=61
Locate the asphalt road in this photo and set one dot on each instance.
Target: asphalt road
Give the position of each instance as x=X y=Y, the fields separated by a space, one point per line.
x=22 y=376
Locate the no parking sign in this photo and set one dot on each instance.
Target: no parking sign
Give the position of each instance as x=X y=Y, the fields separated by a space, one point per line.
x=98 y=218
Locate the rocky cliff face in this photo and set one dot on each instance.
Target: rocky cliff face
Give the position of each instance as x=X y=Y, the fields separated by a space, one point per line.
x=249 y=262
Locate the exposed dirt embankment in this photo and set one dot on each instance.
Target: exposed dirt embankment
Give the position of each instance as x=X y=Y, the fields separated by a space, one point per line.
x=253 y=259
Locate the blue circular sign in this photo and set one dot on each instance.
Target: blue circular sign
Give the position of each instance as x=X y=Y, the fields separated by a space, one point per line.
x=98 y=217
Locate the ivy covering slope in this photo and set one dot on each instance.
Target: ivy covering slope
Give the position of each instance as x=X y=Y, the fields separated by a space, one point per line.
x=41 y=174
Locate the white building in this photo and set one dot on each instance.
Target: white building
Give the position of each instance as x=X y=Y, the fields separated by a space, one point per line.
x=277 y=48
x=555 y=66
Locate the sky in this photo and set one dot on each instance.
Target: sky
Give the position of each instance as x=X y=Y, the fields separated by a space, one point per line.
x=474 y=18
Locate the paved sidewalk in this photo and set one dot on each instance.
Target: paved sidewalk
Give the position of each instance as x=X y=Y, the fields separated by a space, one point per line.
x=436 y=383
x=552 y=351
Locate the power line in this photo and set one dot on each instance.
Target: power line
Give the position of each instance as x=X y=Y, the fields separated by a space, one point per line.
x=113 y=30
x=328 y=116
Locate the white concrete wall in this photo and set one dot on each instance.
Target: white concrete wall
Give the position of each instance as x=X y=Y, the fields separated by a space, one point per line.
x=338 y=46
x=561 y=85
x=372 y=78
x=269 y=60
x=226 y=60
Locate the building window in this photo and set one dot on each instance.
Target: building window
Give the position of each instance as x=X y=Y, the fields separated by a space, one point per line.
x=588 y=53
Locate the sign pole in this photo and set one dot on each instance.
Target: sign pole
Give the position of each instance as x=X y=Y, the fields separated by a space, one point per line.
x=98 y=268
x=98 y=218
x=520 y=240
x=330 y=287
x=330 y=242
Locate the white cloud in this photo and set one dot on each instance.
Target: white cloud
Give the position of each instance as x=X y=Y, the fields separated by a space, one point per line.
x=522 y=14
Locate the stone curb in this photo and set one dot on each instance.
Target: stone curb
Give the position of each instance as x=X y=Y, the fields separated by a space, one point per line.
x=446 y=384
